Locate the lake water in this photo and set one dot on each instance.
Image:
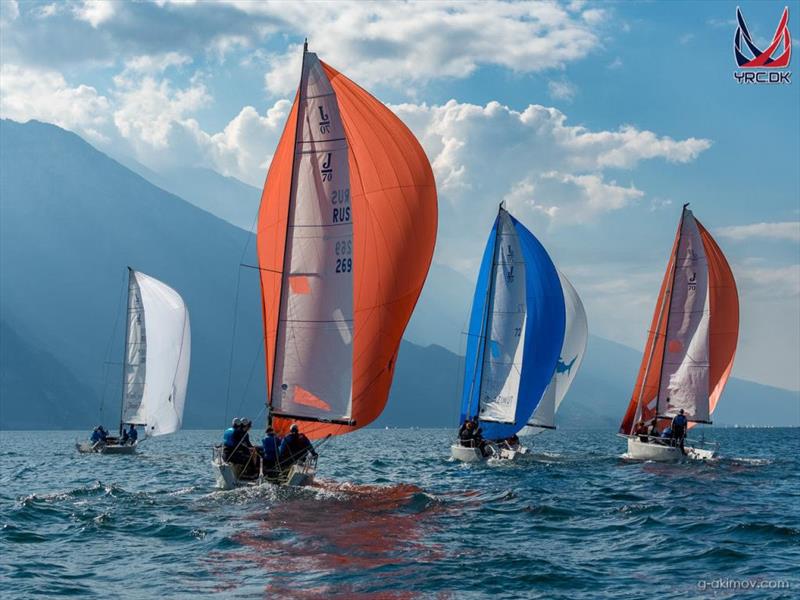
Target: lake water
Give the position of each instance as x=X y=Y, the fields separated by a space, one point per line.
x=392 y=517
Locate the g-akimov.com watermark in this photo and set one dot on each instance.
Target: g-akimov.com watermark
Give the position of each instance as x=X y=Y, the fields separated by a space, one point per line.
x=758 y=583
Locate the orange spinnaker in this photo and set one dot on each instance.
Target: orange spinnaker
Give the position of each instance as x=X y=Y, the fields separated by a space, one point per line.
x=723 y=333
x=393 y=195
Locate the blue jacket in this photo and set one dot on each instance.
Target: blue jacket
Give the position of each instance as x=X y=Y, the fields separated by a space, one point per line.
x=133 y=434
x=679 y=420
x=271 y=445
x=96 y=436
x=293 y=446
x=667 y=432
x=229 y=437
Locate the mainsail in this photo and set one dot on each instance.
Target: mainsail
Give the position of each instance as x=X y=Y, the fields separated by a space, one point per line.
x=516 y=330
x=346 y=232
x=692 y=341
x=157 y=356
x=569 y=362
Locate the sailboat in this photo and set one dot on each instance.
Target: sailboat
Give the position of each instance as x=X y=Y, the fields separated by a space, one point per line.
x=155 y=363
x=569 y=362
x=691 y=345
x=515 y=337
x=346 y=231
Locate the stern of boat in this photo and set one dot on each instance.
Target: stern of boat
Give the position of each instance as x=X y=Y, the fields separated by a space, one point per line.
x=465 y=454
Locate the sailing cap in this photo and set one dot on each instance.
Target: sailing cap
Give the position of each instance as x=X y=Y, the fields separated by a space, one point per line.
x=270 y=430
x=681 y=411
x=246 y=422
x=236 y=422
x=294 y=428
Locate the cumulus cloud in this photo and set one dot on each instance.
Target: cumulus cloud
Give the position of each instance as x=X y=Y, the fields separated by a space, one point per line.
x=547 y=170
x=46 y=96
x=400 y=42
x=769 y=282
x=95 y=12
x=788 y=230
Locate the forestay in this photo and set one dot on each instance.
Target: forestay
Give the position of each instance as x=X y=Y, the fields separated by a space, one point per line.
x=157 y=356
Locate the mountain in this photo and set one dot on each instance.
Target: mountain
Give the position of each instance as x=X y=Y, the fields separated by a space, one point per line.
x=225 y=197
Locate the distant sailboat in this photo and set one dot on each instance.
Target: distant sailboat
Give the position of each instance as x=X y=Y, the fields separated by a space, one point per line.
x=156 y=362
x=691 y=345
x=569 y=362
x=516 y=333
x=346 y=232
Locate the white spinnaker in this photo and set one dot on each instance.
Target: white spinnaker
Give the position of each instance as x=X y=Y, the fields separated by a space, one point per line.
x=314 y=350
x=684 y=372
x=502 y=358
x=576 y=336
x=157 y=357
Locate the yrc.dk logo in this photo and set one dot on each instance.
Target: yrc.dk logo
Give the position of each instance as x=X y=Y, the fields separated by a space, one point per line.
x=761 y=66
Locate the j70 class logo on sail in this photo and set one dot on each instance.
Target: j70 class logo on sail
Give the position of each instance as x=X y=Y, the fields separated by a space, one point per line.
x=760 y=66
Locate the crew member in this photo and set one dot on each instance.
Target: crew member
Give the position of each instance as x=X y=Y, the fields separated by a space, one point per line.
x=294 y=447
x=679 y=425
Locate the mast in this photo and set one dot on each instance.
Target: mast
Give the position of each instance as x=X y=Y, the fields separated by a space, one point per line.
x=271 y=389
x=489 y=305
x=669 y=304
x=125 y=348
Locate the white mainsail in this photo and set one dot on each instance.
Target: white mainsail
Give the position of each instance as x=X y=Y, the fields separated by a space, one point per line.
x=316 y=316
x=157 y=356
x=576 y=335
x=502 y=359
x=684 y=371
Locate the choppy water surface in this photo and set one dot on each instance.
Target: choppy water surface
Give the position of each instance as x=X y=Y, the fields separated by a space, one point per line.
x=392 y=517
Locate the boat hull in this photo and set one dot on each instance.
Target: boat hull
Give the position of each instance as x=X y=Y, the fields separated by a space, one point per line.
x=227 y=477
x=639 y=450
x=90 y=448
x=494 y=452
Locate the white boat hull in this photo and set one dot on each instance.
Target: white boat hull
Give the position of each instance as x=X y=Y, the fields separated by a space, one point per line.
x=227 y=476
x=465 y=454
x=100 y=448
x=494 y=452
x=639 y=450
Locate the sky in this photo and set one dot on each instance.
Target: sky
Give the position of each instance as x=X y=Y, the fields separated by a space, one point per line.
x=594 y=122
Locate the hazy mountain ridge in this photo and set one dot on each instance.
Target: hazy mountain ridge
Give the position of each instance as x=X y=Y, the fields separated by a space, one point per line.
x=72 y=218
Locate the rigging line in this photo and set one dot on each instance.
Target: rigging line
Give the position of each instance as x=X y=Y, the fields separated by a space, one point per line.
x=257 y=355
x=236 y=314
x=107 y=353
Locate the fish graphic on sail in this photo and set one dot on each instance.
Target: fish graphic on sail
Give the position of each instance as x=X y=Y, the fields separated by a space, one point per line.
x=692 y=341
x=516 y=332
x=346 y=231
x=576 y=335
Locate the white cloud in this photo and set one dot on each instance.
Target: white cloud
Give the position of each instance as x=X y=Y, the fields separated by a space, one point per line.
x=9 y=11
x=562 y=90
x=615 y=64
x=94 y=12
x=46 y=96
x=789 y=230
x=400 y=42
x=769 y=282
x=156 y=63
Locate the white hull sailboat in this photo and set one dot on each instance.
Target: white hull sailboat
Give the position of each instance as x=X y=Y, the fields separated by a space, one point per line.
x=690 y=348
x=346 y=231
x=516 y=332
x=155 y=365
